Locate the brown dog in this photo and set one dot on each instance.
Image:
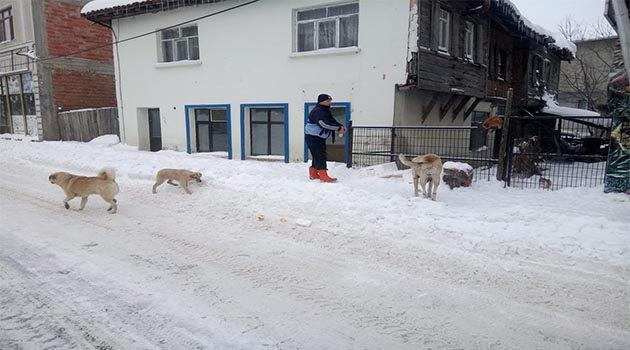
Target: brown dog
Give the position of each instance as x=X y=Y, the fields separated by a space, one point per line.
x=180 y=175
x=82 y=186
x=427 y=169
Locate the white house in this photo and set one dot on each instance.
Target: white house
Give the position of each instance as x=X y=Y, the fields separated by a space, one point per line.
x=241 y=76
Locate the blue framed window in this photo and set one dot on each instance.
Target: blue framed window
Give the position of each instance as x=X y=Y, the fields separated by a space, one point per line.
x=265 y=129
x=209 y=128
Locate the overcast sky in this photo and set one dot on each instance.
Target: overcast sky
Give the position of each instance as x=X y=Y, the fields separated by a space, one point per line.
x=551 y=13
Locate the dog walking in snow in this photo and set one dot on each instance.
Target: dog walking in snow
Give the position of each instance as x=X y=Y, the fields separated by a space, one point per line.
x=180 y=175
x=82 y=186
x=426 y=169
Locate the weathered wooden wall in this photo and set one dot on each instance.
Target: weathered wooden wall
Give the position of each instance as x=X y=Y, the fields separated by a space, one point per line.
x=87 y=124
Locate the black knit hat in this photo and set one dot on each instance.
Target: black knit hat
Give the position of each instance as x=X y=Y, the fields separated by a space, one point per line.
x=323 y=97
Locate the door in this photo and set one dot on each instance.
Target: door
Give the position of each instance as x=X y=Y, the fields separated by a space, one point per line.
x=155 y=130
x=267 y=131
x=336 y=151
x=211 y=129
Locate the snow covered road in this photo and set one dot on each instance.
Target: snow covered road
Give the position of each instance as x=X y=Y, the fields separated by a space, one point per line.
x=259 y=257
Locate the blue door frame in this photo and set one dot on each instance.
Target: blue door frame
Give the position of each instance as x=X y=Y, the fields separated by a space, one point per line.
x=286 y=125
x=187 y=109
x=307 y=106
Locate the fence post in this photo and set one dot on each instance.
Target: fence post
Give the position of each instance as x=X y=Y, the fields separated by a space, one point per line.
x=391 y=149
x=502 y=168
x=349 y=140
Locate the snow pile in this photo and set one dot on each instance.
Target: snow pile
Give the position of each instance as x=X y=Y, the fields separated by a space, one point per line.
x=465 y=167
x=107 y=140
x=552 y=107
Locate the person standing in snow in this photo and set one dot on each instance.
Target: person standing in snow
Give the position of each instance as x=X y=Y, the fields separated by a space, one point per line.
x=319 y=127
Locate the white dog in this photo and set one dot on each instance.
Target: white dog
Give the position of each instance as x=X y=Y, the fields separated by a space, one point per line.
x=426 y=168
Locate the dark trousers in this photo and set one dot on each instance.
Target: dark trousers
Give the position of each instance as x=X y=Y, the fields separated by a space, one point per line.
x=317 y=146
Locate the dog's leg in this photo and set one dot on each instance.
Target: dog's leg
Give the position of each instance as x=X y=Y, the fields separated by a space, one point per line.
x=83 y=202
x=415 y=186
x=185 y=187
x=113 y=206
x=436 y=183
x=65 y=201
x=423 y=183
x=157 y=183
x=170 y=182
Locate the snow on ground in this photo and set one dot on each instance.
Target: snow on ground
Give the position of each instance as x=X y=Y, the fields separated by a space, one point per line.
x=260 y=257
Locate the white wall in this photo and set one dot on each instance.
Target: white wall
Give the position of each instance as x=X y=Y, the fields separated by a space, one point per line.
x=246 y=57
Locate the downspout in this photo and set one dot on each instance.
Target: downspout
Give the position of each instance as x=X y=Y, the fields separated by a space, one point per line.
x=121 y=124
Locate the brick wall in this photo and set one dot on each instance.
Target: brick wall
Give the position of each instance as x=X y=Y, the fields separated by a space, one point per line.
x=68 y=32
x=77 y=90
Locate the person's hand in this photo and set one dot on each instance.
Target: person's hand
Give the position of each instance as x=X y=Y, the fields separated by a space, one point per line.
x=342 y=131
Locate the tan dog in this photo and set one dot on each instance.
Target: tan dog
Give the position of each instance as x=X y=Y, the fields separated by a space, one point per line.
x=426 y=168
x=180 y=175
x=82 y=186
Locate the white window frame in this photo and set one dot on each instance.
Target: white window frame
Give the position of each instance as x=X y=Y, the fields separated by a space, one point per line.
x=6 y=21
x=316 y=22
x=469 y=41
x=180 y=39
x=444 y=30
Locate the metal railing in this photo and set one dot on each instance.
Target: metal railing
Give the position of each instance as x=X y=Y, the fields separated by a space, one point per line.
x=373 y=145
x=544 y=152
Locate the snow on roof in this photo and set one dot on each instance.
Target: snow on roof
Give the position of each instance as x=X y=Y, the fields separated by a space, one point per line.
x=97 y=5
x=552 y=107
x=559 y=40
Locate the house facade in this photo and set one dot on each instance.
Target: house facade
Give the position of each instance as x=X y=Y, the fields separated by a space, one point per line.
x=584 y=81
x=42 y=70
x=243 y=80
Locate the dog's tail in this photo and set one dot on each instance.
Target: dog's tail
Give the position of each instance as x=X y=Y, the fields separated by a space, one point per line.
x=107 y=174
x=405 y=161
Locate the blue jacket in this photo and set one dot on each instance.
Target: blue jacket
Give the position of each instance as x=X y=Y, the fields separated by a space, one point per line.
x=321 y=122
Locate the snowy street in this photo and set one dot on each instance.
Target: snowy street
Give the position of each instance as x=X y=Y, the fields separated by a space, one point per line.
x=260 y=257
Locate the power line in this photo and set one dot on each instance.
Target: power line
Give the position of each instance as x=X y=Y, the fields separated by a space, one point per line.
x=139 y=35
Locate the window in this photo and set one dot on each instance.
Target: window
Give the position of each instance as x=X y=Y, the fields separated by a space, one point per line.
x=583 y=104
x=179 y=44
x=469 y=40
x=547 y=71
x=444 y=28
x=479 y=135
x=537 y=71
x=6 y=25
x=500 y=64
x=211 y=129
x=327 y=27
x=267 y=131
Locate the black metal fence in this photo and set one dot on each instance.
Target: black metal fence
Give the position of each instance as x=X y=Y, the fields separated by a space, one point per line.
x=373 y=145
x=543 y=152
x=552 y=153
